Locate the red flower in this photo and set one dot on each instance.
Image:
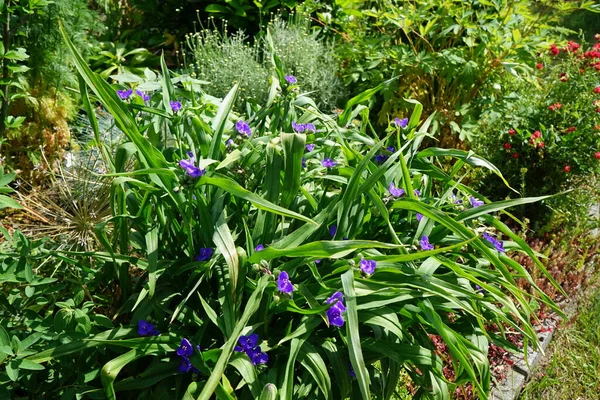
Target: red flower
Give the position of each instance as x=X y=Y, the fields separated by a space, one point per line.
x=507 y=146
x=554 y=50
x=539 y=66
x=541 y=144
x=597 y=89
x=511 y=131
x=597 y=155
x=515 y=155
x=572 y=46
x=567 y=168
x=554 y=106
x=598 y=110
x=570 y=129
x=536 y=134
x=564 y=77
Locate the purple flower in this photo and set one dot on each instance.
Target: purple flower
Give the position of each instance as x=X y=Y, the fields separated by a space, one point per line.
x=425 y=245
x=318 y=261
x=204 y=254
x=419 y=217
x=257 y=356
x=283 y=283
x=351 y=371
x=175 y=105
x=185 y=365
x=189 y=167
x=291 y=79
x=124 y=94
x=310 y=147
x=145 y=328
x=380 y=158
x=402 y=123
x=337 y=298
x=475 y=202
x=229 y=142
x=394 y=191
x=298 y=127
x=243 y=128
x=185 y=349
x=498 y=244
x=334 y=315
x=303 y=162
x=260 y=247
x=417 y=192
x=333 y=230
x=368 y=266
x=328 y=163
x=247 y=342
x=310 y=127
x=143 y=95
x=479 y=289
x=391 y=149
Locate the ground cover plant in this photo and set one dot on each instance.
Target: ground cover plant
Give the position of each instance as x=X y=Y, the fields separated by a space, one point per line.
x=281 y=252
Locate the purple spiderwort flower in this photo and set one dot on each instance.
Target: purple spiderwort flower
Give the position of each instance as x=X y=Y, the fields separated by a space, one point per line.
x=249 y=345
x=475 y=202
x=185 y=365
x=124 y=94
x=318 y=261
x=479 y=289
x=333 y=230
x=334 y=314
x=303 y=162
x=497 y=243
x=351 y=371
x=310 y=147
x=247 y=342
x=380 y=158
x=299 y=128
x=175 y=105
x=328 y=163
x=310 y=127
x=243 y=128
x=229 y=142
x=143 y=95
x=259 y=247
x=419 y=217
x=394 y=191
x=417 y=192
x=291 y=79
x=391 y=149
x=368 y=266
x=204 y=254
x=145 y=328
x=283 y=283
x=185 y=349
x=257 y=356
x=402 y=123
x=189 y=167
x=425 y=245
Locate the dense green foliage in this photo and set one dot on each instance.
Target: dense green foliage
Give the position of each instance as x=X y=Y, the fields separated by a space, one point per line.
x=409 y=266
x=548 y=127
x=448 y=53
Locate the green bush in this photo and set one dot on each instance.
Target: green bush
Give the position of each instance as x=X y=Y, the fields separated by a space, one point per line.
x=223 y=59
x=545 y=134
x=447 y=53
x=226 y=225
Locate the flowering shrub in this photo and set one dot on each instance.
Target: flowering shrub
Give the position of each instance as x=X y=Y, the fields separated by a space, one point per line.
x=549 y=128
x=239 y=272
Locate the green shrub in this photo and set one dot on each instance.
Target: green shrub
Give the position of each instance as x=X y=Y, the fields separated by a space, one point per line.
x=228 y=225
x=447 y=53
x=223 y=59
x=545 y=133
